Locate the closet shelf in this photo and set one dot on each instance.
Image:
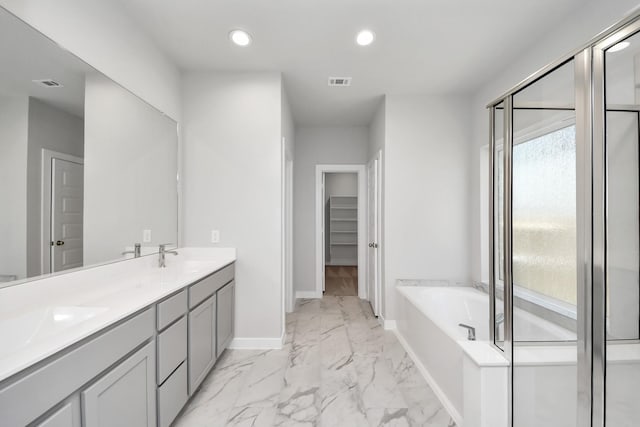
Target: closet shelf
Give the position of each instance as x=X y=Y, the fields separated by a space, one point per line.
x=342 y=229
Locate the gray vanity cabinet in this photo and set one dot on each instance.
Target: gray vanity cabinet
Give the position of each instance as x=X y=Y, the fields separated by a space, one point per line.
x=171 y=357
x=126 y=395
x=68 y=415
x=138 y=372
x=202 y=342
x=225 y=314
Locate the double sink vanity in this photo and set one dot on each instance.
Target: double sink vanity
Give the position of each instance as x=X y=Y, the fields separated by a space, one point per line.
x=122 y=344
x=95 y=168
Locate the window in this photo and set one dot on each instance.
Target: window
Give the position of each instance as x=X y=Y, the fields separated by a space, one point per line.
x=544 y=216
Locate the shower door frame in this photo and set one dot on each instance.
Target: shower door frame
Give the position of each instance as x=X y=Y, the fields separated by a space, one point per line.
x=591 y=216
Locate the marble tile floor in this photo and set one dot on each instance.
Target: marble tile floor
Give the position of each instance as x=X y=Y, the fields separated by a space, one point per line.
x=338 y=367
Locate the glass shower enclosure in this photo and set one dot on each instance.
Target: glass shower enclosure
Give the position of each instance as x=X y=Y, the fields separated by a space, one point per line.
x=565 y=247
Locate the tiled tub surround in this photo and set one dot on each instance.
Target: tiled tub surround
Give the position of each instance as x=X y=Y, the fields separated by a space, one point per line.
x=338 y=367
x=42 y=317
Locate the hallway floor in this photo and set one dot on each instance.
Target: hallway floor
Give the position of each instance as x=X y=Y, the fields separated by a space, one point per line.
x=338 y=367
x=341 y=281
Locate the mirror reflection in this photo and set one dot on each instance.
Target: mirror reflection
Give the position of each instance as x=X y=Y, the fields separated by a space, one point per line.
x=87 y=168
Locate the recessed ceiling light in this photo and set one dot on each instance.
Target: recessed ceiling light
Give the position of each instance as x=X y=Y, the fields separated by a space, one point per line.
x=618 y=47
x=240 y=37
x=365 y=38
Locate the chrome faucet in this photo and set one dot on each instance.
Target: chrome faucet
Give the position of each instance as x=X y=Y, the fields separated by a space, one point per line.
x=471 y=331
x=162 y=251
x=137 y=251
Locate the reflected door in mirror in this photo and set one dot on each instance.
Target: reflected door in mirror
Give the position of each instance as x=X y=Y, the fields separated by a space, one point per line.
x=67 y=192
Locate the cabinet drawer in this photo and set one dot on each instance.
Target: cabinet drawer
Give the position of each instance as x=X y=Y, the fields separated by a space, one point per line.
x=172 y=396
x=172 y=348
x=209 y=285
x=24 y=400
x=171 y=309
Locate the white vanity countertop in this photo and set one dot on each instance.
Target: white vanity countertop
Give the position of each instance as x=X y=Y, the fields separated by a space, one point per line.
x=42 y=317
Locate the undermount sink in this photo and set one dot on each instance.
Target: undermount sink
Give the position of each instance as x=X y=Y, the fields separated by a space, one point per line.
x=21 y=330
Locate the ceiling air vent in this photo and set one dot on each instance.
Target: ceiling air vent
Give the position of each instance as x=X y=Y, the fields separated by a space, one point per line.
x=47 y=83
x=339 y=81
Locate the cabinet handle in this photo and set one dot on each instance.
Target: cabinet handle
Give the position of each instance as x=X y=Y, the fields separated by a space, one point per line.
x=59 y=242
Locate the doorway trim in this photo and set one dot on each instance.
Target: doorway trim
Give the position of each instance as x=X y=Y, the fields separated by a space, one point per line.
x=45 y=204
x=376 y=301
x=361 y=171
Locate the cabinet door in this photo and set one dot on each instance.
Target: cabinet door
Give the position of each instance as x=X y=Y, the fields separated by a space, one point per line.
x=68 y=415
x=225 y=313
x=202 y=342
x=126 y=395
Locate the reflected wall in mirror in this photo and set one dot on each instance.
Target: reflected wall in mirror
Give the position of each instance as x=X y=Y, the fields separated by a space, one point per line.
x=85 y=166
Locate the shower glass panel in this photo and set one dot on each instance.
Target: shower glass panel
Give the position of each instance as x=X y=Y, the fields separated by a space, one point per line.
x=622 y=106
x=544 y=271
x=498 y=223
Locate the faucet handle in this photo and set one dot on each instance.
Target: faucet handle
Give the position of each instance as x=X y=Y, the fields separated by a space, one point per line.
x=164 y=245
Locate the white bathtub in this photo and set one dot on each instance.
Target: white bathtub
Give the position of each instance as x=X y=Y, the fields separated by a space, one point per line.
x=428 y=325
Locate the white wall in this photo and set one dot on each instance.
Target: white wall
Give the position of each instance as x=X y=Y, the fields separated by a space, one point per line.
x=426 y=190
x=54 y=130
x=318 y=145
x=340 y=184
x=101 y=34
x=130 y=172
x=13 y=185
x=232 y=133
x=288 y=134
x=586 y=22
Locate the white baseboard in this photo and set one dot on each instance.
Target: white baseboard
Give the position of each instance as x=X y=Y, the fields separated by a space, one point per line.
x=308 y=294
x=257 y=343
x=442 y=397
x=390 y=325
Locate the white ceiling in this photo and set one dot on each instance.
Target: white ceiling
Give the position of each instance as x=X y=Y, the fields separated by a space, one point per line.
x=27 y=55
x=422 y=46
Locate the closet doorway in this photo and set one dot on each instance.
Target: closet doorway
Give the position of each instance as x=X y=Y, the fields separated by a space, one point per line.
x=341 y=230
x=341 y=239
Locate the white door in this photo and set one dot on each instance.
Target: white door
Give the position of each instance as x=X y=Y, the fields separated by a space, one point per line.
x=373 y=285
x=67 y=190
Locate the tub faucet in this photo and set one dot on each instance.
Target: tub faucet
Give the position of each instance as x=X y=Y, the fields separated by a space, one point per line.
x=162 y=251
x=471 y=331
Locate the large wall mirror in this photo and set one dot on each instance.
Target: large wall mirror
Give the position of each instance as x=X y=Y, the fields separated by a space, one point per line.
x=87 y=169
